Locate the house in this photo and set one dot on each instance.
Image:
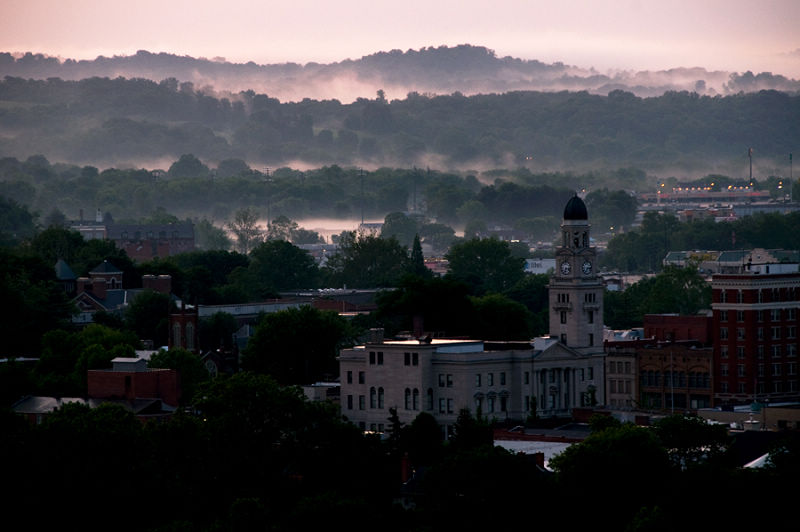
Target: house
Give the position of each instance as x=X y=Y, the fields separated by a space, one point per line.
x=143 y=242
x=103 y=290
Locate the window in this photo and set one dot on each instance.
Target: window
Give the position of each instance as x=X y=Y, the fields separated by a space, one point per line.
x=739 y=296
x=380 y=358
x=775 y=314
x=760 y=333
x=449 y=406
x=590 y=316
x=791 y=331
x=349 y=402
x=441 y=380
x=791 y=350
x=407 y=403
x=380 y=397
x=349 y=377
x=527 y=377
x=373 y=397
x=591 y=339
x=449 y=380
x=415 y=359
x=740 y=370
x=627 y=367
x=590 y=372
x=723 y=333
x=477 y=380
x=724 y=370
x=739 y=315
x=792 y=368
x=776 y=351
x=740 y=351
x=741 y=387
x=478 y=404
x=723 y=296
x=760 y=296
x=502 y=378
x=415 y=399
x=362 y=401
x=564 y=339
x=723 y=315
x=503 y=403
x=490 y=404
x=430 y=399
x=407 y=359
x=740 y=333
x=723 y=387
x=361 y=379
x=761 y=370
x=760 y=351
x=776 y=370
x=791 y=314
x=776 y=333
x=759 y=315
x=371 y=357
x=563 y=316
x=490 y=379
x=441 y=405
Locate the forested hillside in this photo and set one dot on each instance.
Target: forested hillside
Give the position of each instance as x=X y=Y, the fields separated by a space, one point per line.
x=137 y=122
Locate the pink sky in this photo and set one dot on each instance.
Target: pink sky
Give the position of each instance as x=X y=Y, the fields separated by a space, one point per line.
x=735 y=35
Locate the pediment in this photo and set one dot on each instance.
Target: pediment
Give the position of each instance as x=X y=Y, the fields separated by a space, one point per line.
x=557 y=351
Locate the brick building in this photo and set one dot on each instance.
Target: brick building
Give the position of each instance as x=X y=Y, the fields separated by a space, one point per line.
x=755 y=320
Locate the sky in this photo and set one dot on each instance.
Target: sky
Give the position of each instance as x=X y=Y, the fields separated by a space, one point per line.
x=732 y=35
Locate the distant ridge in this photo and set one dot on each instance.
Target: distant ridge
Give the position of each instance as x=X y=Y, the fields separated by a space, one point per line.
x=465 y=69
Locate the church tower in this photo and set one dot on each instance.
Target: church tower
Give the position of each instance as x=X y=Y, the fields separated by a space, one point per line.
x=575 y=290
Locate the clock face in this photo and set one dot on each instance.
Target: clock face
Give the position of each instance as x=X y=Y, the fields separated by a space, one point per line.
x=587 y=267
x=565 y=267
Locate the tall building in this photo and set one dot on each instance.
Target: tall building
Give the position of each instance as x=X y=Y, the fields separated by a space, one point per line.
x=576 y=291
x=755 y=320
x=549 y=376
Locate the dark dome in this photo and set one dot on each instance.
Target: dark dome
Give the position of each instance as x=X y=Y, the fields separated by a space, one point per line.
x=575 y=209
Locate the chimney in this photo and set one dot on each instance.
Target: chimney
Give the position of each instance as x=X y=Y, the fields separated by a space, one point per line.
x=539 y=457
x=419 y=327
x=375 y=336
x=99 y=287
x=83 y=284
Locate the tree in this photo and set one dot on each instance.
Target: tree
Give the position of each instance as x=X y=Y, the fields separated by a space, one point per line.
x=500 y=318
x=485 y=264
x=471 y=432
x=188 y=166
x=403 y=228
x=16 y=221
x=417 y=260
x=210 y=237
x=277 y=265
x=297 y=345
x=244 y=227
x=148 y=316
x=216 y=331
x=691 y=441
x=190 y=368
x=366 y=261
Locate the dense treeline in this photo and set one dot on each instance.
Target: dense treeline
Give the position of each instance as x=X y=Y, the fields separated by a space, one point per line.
x=644 y=249
x=114 y=121
x=254 y=455
x=437 y=201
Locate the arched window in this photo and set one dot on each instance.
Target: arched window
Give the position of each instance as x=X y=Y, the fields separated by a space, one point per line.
x=430 y=399
x=372 y=396
x=408 y=399
x=190 y=336
x=416 y=399
x=176 y=335
x=380 y=397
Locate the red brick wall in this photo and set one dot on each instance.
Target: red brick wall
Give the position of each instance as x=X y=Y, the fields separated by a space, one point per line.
x=158 y=383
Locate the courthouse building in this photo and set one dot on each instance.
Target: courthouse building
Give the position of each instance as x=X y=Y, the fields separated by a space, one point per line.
x=501 y=380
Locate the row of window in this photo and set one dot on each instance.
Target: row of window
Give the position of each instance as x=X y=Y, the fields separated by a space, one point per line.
x=138 y=235
x=619 y=386
x=776 y=294
x=776 y=331
x=776 y=367
x=409 y=359
x=775 y=314
x=694 y=379
x=775 y=387
x=775 y=351
x=619 y=367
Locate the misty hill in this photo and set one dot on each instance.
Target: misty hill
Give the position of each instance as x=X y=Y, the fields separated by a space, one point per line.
x=466 y=69
x=137 y=122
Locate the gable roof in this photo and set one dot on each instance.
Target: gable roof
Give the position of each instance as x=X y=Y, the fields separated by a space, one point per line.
x=105 y=267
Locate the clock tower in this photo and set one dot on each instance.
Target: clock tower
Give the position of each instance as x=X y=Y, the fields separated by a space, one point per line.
x=575 y=290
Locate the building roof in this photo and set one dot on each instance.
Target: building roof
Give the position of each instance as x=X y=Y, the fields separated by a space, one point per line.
x=64 y=272
x=575 y=209
x=128 y=231
x=105 y=267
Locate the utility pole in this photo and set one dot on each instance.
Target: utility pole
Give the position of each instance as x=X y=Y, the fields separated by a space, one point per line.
x=750 y=156
x=361 y=172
